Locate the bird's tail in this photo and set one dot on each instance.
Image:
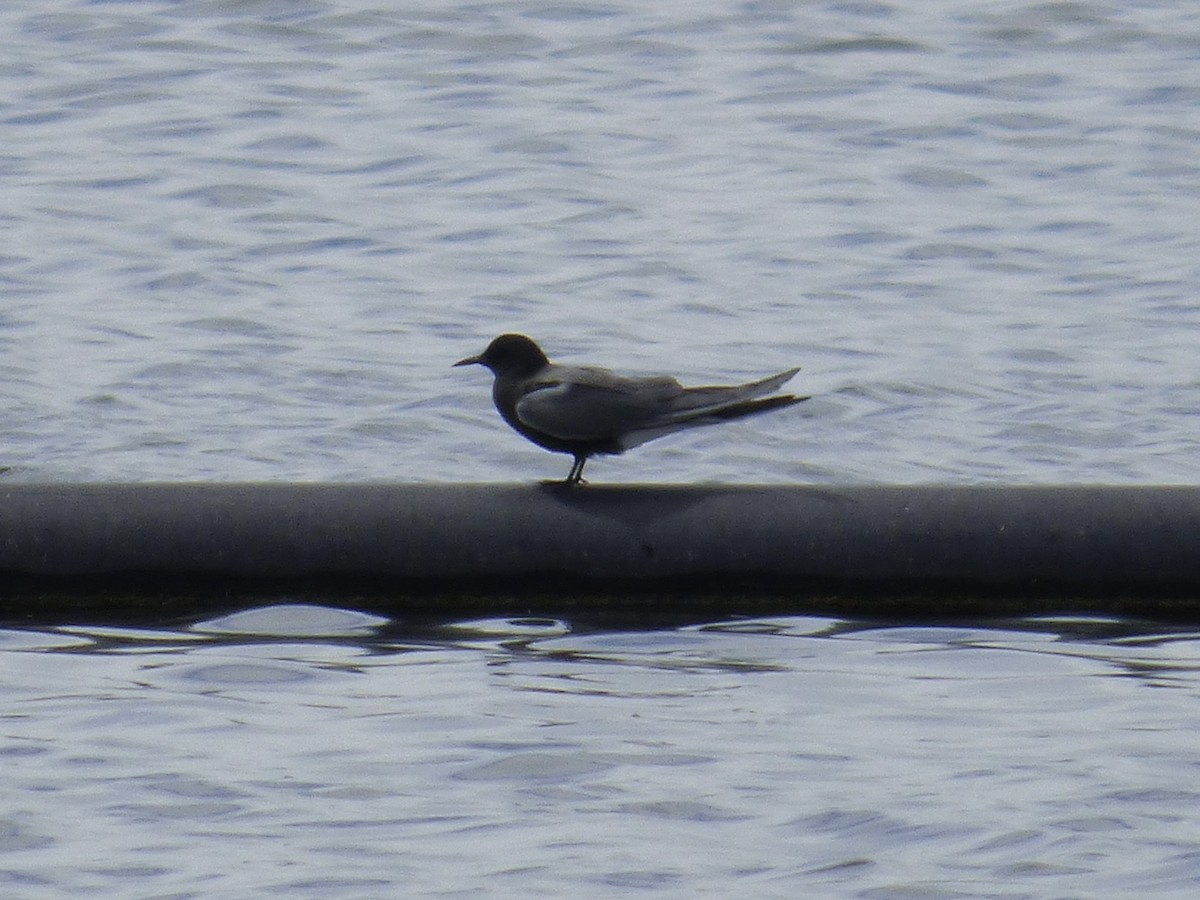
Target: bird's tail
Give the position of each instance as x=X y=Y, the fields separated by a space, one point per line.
x=752 y=407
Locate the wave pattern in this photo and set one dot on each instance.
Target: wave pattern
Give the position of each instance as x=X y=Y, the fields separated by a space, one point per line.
x=245 y=240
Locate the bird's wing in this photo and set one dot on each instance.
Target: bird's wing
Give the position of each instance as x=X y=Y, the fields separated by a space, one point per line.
x=710 y=405
x=589 y=404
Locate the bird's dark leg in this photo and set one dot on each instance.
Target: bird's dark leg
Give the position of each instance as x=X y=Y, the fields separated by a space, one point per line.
x=576 y=474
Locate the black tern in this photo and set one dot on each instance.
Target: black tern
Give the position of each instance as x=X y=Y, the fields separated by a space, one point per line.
x=585 y=410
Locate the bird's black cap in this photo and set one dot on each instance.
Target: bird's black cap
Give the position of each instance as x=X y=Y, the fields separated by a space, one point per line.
x=510 y=354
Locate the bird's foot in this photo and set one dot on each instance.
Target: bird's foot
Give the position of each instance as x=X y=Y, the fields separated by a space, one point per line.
x=575 y=476
x=564 y=483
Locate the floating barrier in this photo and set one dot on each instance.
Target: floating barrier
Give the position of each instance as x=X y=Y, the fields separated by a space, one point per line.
x=185 y=550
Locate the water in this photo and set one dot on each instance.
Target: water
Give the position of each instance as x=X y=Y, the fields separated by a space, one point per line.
x=245 y=239
x=307 y=752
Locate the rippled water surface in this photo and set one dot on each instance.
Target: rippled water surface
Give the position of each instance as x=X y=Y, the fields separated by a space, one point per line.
x=246 y=239
x=296 y=751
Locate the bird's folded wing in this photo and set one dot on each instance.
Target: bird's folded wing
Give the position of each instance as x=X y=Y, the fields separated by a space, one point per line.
x=587 y=404
x=595 y=405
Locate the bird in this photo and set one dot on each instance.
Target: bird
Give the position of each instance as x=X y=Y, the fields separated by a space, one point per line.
x=587 y=410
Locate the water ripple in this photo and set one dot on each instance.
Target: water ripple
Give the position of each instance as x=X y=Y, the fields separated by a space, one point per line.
x=989 y=207
x=831 y=756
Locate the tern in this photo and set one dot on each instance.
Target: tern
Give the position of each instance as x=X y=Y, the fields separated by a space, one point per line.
x=586 y=410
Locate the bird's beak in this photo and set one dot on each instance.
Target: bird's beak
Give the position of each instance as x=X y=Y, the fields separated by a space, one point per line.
x=469 y=361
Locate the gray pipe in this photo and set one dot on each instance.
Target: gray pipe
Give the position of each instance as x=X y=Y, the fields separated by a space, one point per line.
x=192 y=549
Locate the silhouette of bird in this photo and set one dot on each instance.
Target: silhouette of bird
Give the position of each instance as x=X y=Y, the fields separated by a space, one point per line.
x=586 y=410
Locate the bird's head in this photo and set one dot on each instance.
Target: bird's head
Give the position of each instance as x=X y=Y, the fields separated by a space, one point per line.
x=510 y=354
